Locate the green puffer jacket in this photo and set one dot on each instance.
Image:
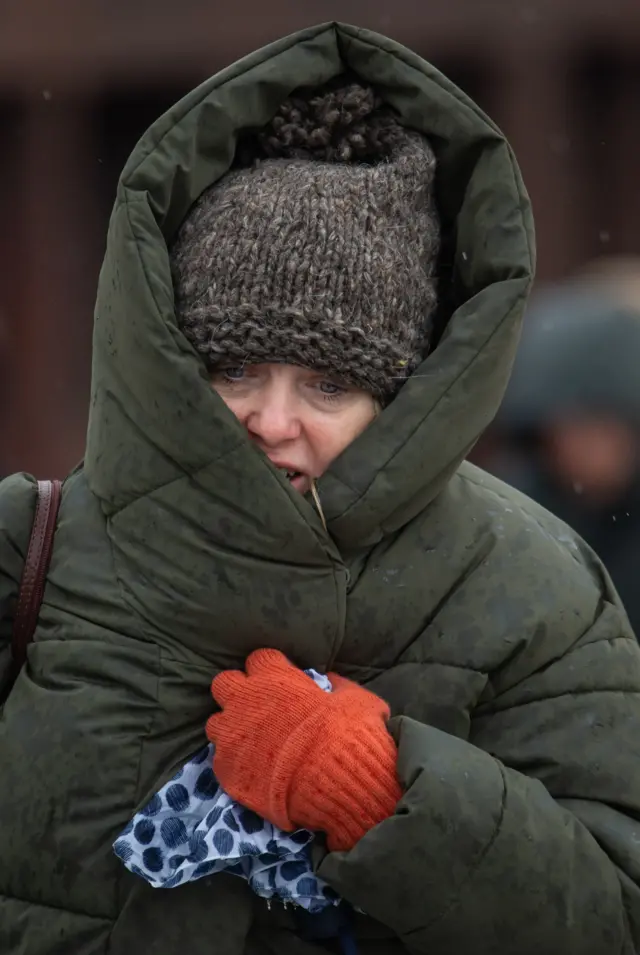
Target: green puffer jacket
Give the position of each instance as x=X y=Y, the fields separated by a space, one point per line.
x=495 y=635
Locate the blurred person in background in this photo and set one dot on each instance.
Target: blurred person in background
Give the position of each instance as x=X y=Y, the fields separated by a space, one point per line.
x=424 y=736
x=568 y=432
x=615 y=278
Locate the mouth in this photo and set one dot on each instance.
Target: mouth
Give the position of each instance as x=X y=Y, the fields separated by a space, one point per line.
x=298 y=479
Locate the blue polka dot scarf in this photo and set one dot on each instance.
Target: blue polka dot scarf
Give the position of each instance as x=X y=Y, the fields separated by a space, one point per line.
x=191 y=828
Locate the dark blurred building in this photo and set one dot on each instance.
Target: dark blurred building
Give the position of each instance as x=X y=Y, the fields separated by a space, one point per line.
x=80 y=80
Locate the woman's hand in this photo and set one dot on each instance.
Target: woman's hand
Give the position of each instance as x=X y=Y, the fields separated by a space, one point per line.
x=301 y=757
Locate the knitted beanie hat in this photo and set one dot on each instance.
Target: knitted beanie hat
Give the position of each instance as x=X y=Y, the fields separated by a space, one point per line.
x=320 y=252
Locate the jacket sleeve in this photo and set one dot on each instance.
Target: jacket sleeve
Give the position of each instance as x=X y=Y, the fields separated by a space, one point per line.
x=525 y=839
x=17 y=509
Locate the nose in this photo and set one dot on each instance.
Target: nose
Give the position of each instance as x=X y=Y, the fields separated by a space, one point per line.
x=274 y=419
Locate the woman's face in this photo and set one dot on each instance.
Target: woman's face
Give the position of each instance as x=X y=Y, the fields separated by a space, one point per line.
x=301 y=419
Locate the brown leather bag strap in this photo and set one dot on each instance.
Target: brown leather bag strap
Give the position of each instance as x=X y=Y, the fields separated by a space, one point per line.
x=36 y=566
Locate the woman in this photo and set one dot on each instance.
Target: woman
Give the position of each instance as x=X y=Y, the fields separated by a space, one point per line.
x=251 y=325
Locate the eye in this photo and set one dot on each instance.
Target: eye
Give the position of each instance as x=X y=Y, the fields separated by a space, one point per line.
x=233 y=373
x=330 y=389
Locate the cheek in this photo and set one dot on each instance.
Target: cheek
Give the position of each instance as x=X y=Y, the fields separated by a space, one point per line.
x=325 y=442
x=329 y=439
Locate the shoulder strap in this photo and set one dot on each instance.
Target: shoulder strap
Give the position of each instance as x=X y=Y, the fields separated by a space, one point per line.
x=35 y=570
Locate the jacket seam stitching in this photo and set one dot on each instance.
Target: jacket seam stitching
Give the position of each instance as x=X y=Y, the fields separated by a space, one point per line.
x=56 y=908
x=439 y=663
x=558 y=696
x=125 y=201
x=153 y=716
x=476 y=864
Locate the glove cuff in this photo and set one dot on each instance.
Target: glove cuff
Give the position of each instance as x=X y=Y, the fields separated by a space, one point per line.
x=344 y=782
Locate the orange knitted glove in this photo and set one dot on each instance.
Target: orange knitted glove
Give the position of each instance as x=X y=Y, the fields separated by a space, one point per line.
x=300 y=757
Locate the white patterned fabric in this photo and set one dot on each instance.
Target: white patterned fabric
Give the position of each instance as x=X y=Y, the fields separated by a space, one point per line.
x=191 y=828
